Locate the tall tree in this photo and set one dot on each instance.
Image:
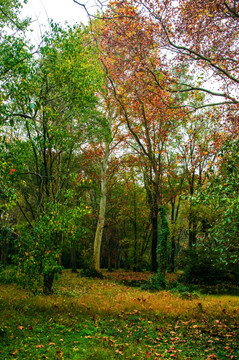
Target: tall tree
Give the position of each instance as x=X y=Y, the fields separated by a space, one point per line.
x=130 y=58
x=102 y=145
x=54 y=110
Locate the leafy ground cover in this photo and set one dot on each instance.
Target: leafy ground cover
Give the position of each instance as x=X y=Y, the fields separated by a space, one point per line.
x=101 y=319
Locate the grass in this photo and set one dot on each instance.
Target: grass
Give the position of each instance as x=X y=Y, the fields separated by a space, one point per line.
x=102 y=319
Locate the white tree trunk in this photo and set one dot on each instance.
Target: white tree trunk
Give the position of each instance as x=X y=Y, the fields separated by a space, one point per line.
x=102 y=210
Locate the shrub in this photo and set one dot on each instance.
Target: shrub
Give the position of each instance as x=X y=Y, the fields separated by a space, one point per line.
x=91 y=273
x=203 y=267
x=155 y=283
x=183 y=290
x=8 y=276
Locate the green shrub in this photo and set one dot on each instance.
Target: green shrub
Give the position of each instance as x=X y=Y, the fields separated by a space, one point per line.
x=155 y=283
x=8 y=276
x=184 y=291
x=91 y=273
x=203 y=267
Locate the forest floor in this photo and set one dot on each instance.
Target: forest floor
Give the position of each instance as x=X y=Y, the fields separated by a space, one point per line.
x=102 y=319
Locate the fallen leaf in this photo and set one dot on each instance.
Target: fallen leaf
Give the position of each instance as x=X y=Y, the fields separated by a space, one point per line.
x=212 y=357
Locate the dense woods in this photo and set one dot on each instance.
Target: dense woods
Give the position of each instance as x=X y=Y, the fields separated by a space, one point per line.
x=119 y=143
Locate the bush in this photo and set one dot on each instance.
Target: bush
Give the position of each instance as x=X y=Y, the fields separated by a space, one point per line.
x=91 y=273
x=155 y=283
x=183 y=290
x=203 y=267
x=8 y=276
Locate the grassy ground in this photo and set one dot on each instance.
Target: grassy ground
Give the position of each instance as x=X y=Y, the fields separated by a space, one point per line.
x=101 y=319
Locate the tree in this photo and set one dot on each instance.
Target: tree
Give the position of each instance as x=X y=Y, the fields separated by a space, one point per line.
x=197 y=34
x=102 y=145
x=130 y=59
x=53 y=112
x=221 y=196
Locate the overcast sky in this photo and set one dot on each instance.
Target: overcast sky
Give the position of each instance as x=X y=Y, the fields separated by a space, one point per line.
x=60 y=11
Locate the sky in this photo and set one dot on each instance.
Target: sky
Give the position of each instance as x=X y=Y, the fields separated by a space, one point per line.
x=59 y=11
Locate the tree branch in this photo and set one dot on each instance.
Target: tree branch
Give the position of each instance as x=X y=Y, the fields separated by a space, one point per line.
x=24 y=214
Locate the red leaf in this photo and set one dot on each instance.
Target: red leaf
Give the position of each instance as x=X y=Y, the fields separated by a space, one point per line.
x=12 y=171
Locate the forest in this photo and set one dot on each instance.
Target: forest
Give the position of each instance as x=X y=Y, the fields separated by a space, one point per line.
x=119 y=166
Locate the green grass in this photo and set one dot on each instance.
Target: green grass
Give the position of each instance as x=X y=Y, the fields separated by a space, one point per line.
x=100 y=319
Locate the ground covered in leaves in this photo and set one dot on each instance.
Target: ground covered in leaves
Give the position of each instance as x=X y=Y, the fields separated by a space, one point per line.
x=102 y=319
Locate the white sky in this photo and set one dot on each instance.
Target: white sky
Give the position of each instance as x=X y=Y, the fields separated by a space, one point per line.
x=59 y=11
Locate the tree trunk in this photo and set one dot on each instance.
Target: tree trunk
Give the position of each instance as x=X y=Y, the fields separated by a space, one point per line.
x=102 y=210
x=163 y=239
x=174 y=217
x=192 y=233
x=135 y=235
x=47 y=283
x=173 y=252
x=73 y=259
x=154 y=264
x=109 y=265
x=192 y=228
x=154 y=219
x=173 y=242
x=152 y=199
x=4 y=254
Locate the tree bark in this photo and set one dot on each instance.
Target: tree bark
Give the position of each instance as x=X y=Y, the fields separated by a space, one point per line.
x=174 y=217
x=102 y=210
x=153 y=204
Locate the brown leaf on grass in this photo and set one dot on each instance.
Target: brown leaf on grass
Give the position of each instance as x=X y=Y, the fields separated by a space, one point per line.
x=212 y=357
x=84 y=305
x=51 y=343
x=20 y=327
x=40 y=346
x=119 y=352
x=59 y=354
